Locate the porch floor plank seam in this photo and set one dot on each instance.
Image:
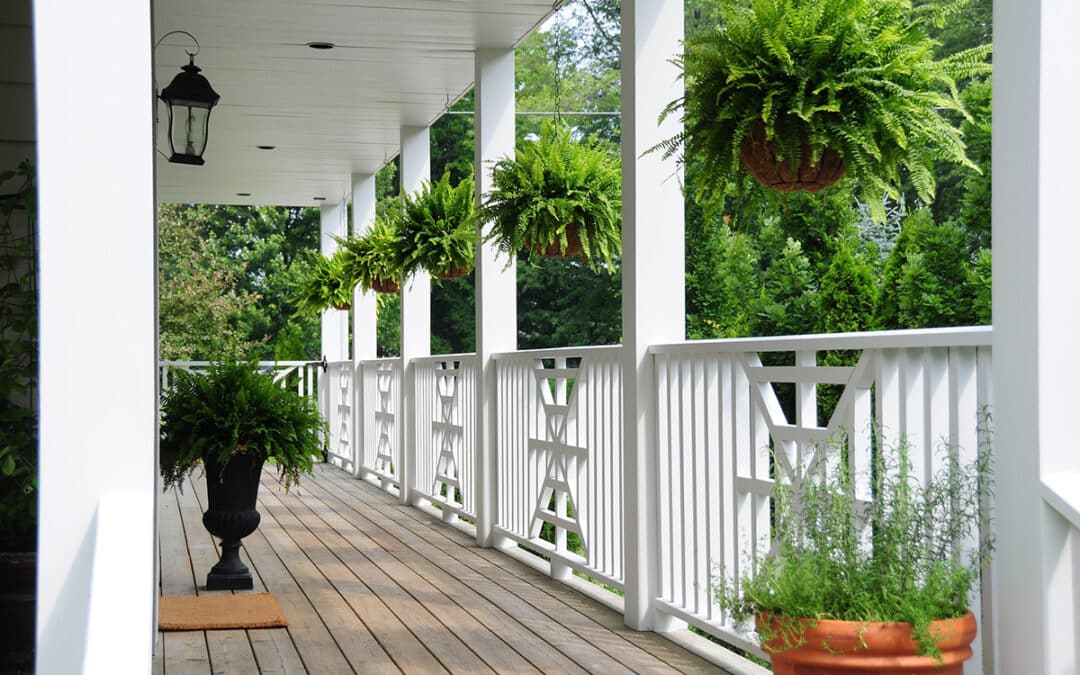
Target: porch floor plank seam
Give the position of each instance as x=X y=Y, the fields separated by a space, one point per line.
x=371 y=586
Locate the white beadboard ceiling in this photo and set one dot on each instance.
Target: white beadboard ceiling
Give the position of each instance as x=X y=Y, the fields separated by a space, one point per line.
x=329 y=113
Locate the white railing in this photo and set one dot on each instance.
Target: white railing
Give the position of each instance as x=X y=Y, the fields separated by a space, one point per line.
x=302 y=375
x=380 y=401
x=445 y=433
x=339 y=402
x=719 y=414
x=560 y=459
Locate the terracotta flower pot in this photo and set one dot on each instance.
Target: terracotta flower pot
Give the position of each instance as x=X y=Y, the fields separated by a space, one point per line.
x=867 y=648
x=759 y=157
x=573 y=245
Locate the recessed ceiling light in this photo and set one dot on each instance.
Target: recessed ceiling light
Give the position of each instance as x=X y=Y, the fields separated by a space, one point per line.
x=265 y=147
x=321 y=45
x=243 y=194
x=319 y=199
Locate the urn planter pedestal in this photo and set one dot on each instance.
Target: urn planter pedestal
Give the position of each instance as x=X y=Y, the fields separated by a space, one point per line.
x=232 y=516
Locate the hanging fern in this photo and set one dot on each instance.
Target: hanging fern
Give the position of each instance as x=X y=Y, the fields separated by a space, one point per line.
x=857 y=76
x=556 y=191
x=372 y=259
x=326 y=284
x=438 y=232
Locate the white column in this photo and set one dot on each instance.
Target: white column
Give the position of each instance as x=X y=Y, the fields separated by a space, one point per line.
x=98 y=329
x=335 y=322
x=496 y=284
x=415 y=306
x=653 y=275
x=364 y=324
x=1035 y=332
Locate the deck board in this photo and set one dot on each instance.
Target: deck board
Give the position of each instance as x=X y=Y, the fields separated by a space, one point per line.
x=371 y=586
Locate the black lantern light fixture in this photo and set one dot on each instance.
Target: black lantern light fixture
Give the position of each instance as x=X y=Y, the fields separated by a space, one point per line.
x=190 y=98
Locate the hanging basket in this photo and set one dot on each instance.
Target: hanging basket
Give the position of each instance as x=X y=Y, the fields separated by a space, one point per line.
x=454 y=272
x=553 y=250
x=385 y=286
x=759 y=157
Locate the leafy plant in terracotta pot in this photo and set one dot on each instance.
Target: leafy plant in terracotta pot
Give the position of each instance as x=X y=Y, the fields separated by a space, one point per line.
x=880 y=586
x=559 y=197
x=373 y=259
x=800 y=93
x=325 y=285
x=230 y=420
x=437 y=230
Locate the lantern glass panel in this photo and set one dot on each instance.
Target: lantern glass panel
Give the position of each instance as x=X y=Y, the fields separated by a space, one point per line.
x=189 y=127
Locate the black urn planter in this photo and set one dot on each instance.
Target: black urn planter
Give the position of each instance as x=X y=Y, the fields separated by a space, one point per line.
x=18 y=576
x=231 y=516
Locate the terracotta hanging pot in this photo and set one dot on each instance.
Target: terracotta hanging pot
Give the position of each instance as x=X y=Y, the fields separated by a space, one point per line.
x=454 y=272
x=866 y=648
x=553 y=250
x=385 y=286
x=759 y=157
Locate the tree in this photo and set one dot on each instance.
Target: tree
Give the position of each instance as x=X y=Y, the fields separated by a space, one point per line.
x=199 y=303
x=930 y=278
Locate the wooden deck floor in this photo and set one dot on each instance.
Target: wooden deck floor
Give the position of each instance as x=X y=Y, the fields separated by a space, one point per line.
x=369 y=586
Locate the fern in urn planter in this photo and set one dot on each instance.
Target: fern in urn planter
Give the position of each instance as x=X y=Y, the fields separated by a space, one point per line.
x=231 y=420
x=802 y=92
x=437 y=230
x=559 y=197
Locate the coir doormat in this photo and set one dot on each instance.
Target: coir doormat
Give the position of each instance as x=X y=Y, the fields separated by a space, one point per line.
x=217 y=612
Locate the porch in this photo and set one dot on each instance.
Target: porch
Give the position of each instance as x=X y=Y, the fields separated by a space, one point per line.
x=371 y=586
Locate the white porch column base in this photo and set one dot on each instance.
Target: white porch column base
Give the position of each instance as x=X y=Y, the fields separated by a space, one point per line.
x=496 y=283
x=415 y=307
x=335 y=322
x=1037 y=597
x=654 y=304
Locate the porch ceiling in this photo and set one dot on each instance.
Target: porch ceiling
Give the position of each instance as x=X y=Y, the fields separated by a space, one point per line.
x=329 y=113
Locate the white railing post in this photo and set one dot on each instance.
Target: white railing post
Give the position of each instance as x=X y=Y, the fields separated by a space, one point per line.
x=496 y=280
x=653 y=275
x=1035 y=328
x=415 y=310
